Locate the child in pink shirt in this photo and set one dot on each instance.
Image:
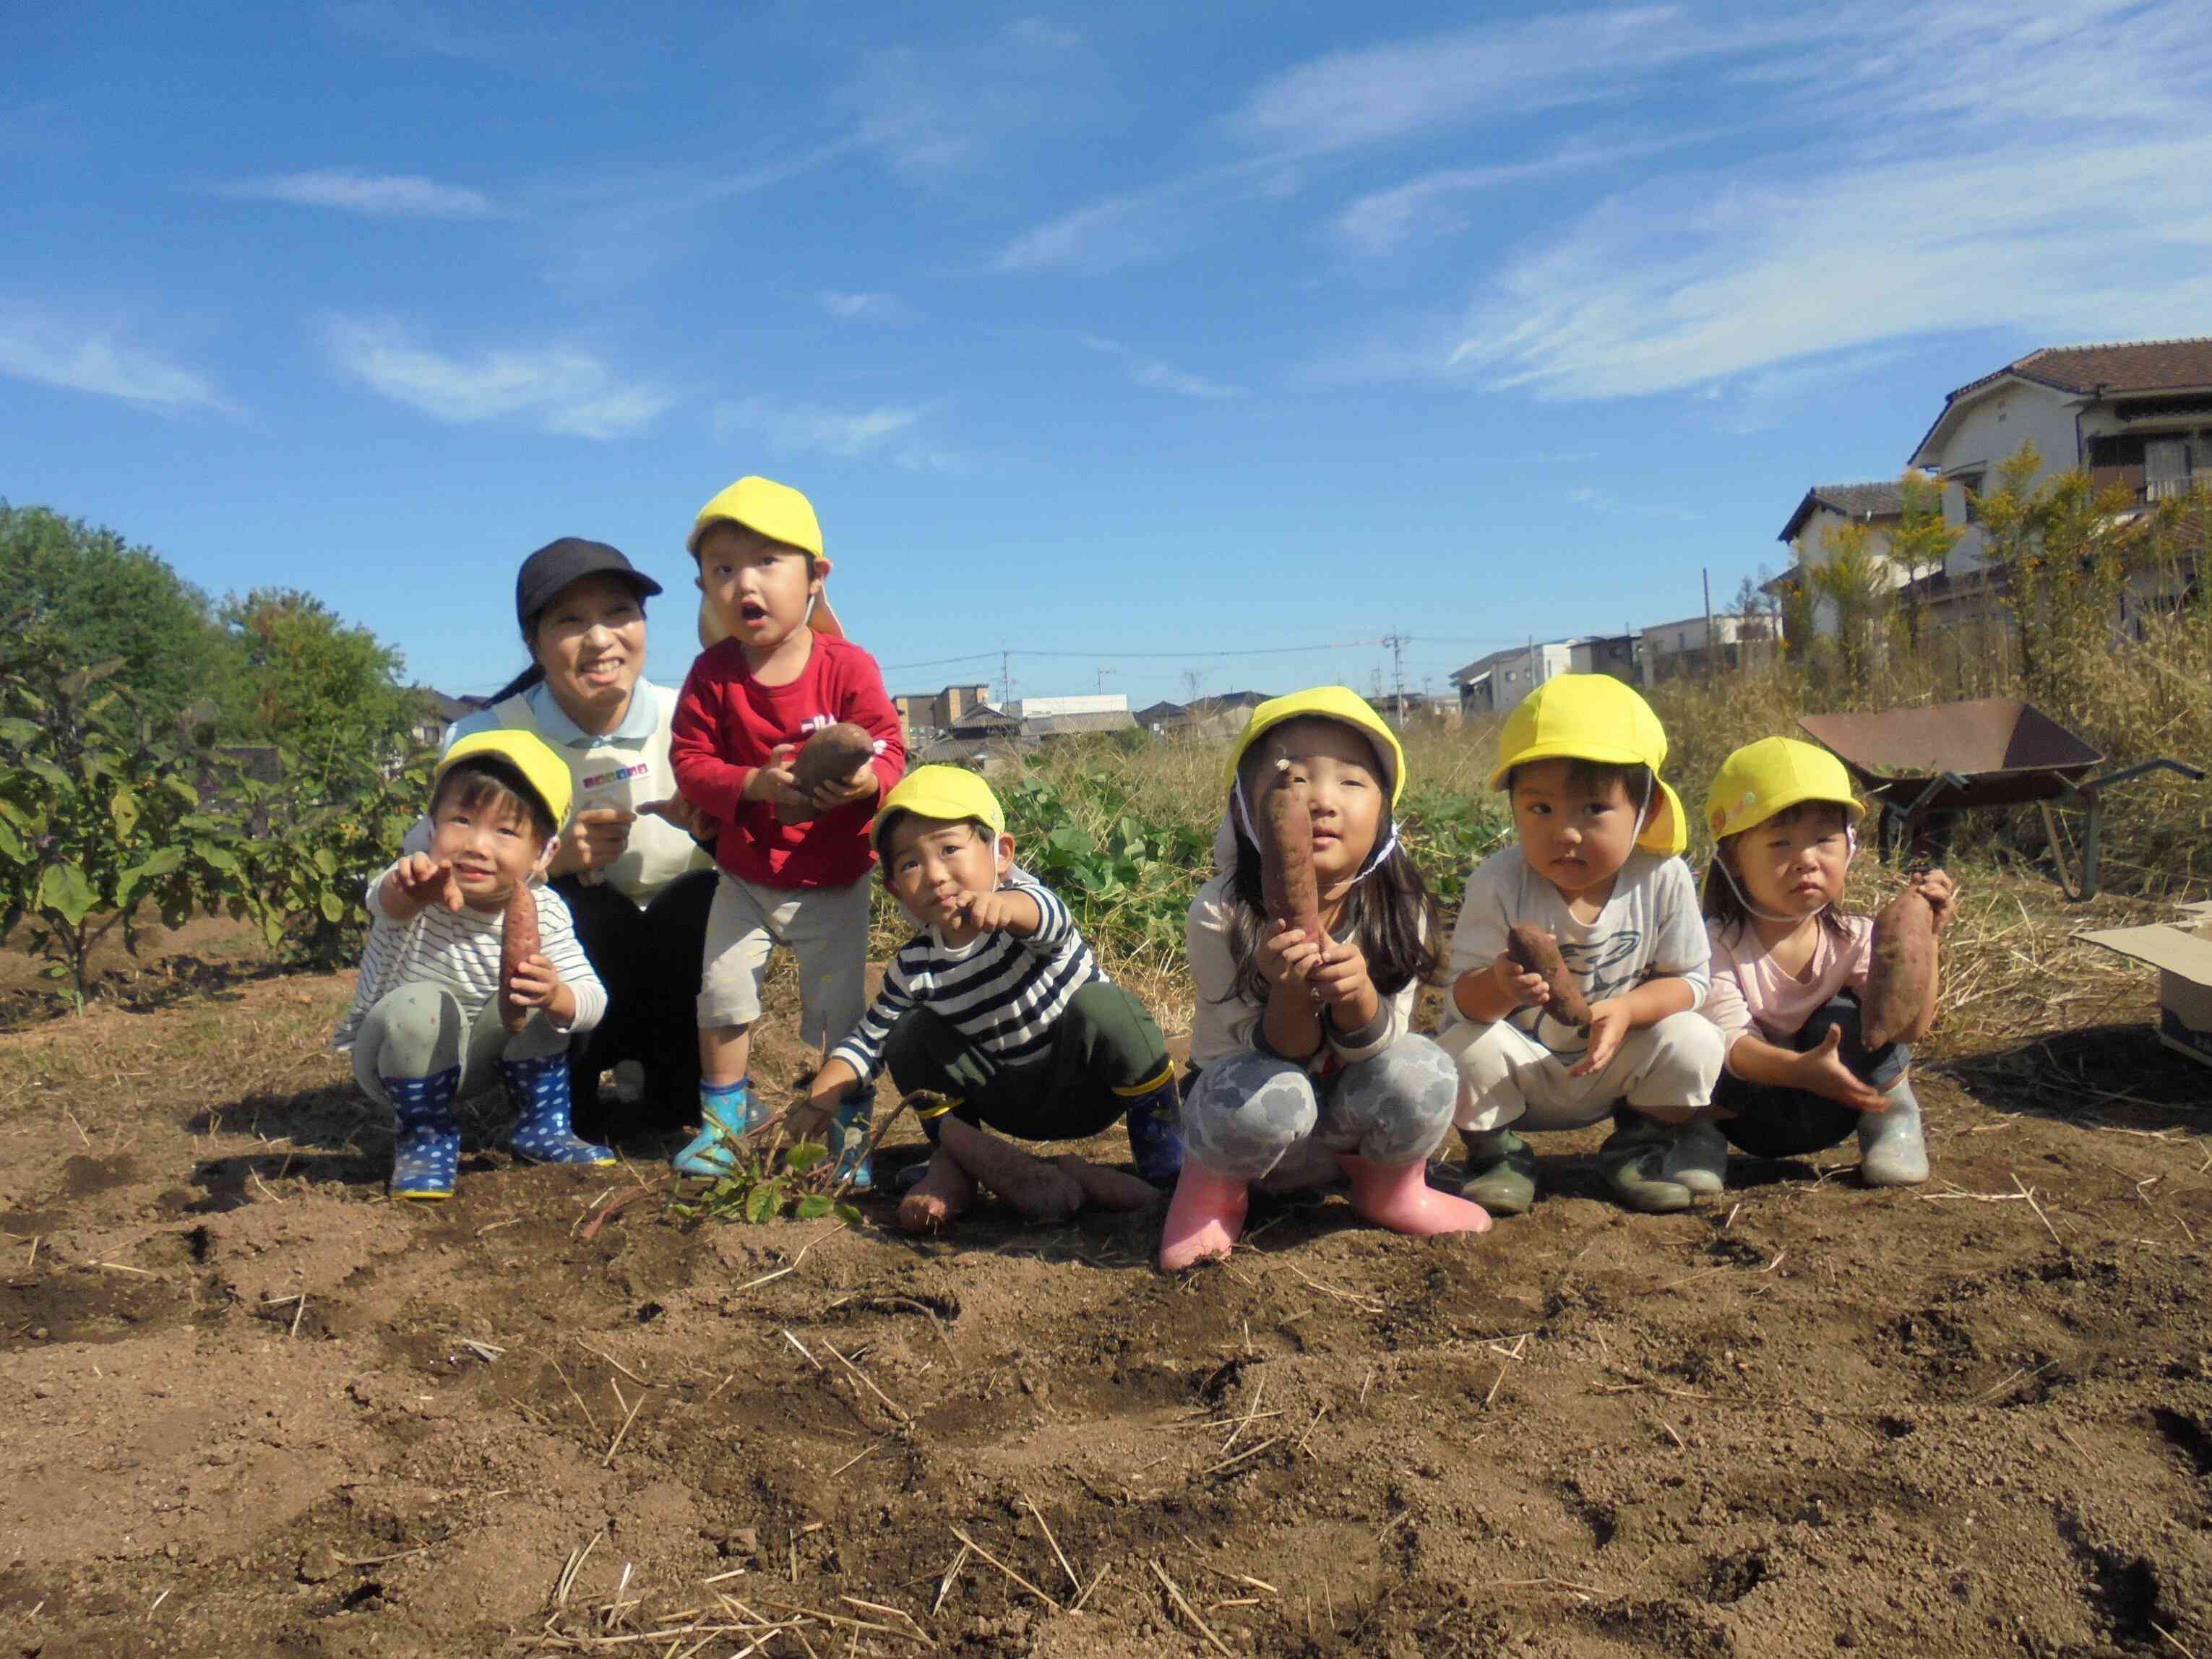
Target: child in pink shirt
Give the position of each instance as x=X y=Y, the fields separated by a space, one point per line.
x=1789 y=968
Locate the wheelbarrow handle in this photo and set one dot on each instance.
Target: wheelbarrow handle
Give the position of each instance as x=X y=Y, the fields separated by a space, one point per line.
x=1935 y=785
x=2195 y=774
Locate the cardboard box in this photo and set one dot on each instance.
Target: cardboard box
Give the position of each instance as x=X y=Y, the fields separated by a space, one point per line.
x=2181 y=951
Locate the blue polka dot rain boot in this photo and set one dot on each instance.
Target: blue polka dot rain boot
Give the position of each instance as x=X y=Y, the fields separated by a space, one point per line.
x=1155 y=1125
x=427 y=1156
x=537 y=1088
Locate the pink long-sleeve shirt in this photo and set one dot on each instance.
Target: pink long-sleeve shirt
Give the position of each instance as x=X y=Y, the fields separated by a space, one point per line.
x=1751 y=995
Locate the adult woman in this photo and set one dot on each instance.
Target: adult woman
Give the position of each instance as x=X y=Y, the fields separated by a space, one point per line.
x=637 y=883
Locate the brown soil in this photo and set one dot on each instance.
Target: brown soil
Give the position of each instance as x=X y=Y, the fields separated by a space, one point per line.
x=250 y=1407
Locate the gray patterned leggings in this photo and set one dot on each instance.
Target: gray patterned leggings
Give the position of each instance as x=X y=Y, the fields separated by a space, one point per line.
x=1263 y=1118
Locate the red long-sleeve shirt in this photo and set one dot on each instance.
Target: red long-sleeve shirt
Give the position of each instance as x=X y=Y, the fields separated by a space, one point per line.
x=727 y=723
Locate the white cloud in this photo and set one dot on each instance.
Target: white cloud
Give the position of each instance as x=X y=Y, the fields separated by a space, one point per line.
x=558 y=389
x=1681 y=283
x=1161 y=378
x=1386 y=220
x=890 y=431
x=1157 y=376
x=1600 y=500
x=1407 y=88
x=36 y=345
x=864 y=306
x=427 y=29
x=378 y=195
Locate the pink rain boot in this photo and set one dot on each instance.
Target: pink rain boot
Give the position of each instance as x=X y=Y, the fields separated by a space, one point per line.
x=1399 y=1197
x=1203 y=1216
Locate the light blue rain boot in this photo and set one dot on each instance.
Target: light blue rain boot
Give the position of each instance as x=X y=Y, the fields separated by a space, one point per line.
x=1155 y=1126
x=848 y=1135
x=538 y=1088
x=1892 y=1146
x=727 y=1114
x=427 y=1157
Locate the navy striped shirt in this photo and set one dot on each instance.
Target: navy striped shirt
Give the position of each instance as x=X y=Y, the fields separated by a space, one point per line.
x=1004 y=994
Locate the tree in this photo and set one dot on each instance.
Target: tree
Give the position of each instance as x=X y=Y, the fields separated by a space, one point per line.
x=1920 y=544
x=97 y=599
x=1855 y=580
x=296 y=674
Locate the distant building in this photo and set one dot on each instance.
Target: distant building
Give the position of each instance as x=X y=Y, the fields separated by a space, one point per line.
x=1223 y=717
x=1603 y=653
x=1501 y=679
x=1810 y=532
x=1692 y=645
x=439 y=715
x=1033 y=709
x=934 y=711
x=1161 y=718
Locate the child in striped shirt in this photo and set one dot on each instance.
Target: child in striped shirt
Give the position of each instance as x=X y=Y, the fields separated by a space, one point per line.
x=425 y=1025
x=998 y=1005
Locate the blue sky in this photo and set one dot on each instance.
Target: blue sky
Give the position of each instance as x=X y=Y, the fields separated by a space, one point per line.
x=1180 y=329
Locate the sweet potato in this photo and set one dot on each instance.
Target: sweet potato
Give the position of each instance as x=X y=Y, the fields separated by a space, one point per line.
x=1900 y=967
x=1037 y=1190
x=518 y=943
x=1287 y=881
x=831 y=753
x=1537 y=952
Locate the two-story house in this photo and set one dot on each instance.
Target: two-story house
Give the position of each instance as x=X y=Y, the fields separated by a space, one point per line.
x=2137 y=414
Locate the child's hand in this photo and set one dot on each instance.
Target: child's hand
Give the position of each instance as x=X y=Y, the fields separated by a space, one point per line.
x=1287 y=956
x=775 y=782
x=1609 y=1021
x=860 y=785
x=426 y=881
x=1941 y=894
x=992 y=913
x=534 y=983
x=1339 y=977
x=1528 y=990
x=691 y=820
x=1821 y=1072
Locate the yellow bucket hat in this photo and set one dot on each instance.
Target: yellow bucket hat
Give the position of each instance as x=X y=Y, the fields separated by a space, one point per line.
x=951 y=793
x=545 y=771
x=1771 y=777
x=1595 y=717
x=1332 y=702
x=779 y=513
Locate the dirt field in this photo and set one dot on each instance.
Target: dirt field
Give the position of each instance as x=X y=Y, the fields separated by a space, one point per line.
x=250 y=1407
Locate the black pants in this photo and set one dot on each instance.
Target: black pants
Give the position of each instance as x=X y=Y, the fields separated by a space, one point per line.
x=1104 y=1049
x=1771 y=1122
x=649 y=962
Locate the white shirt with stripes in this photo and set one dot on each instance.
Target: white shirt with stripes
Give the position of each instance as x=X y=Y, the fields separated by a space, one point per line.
x=1003 y=992
x=458 y=951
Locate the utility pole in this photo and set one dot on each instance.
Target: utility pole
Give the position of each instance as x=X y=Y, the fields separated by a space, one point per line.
x=1102 y=673
x=1712 y=651
x=1398 y=642
x=1005 y=679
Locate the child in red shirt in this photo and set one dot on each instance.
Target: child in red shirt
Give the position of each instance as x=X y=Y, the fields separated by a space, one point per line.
x=778 y=670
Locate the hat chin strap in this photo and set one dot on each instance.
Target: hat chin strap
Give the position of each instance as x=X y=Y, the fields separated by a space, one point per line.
x=1743 y=898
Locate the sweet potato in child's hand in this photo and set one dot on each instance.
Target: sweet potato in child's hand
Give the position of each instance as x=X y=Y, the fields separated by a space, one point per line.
x=832 y=753
x=1900 y=967
x=1537 y=952
x=1287 y=882
x=518 y=943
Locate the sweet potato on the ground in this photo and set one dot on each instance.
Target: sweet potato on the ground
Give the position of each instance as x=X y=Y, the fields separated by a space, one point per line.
x=1287 y=881
x=833 y=753
x=1900 y=968
x=518 y=943
x=1537 y=952
x=1037 y=1190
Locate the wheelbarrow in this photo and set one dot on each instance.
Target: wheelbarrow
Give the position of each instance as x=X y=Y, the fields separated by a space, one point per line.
x=1920 y=765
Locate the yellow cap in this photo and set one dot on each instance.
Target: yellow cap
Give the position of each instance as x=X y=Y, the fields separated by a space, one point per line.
x=779 y=513
x=1595 y=717
x=951 y=793
x=1771 y=777
x=1329 y=702
x=544 y=770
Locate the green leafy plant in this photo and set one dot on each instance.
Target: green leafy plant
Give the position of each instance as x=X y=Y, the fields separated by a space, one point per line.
x=327 y=828
x=102 y=812
x=768 y=1184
